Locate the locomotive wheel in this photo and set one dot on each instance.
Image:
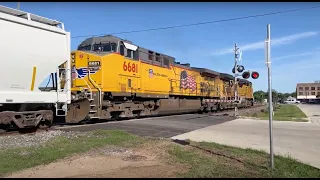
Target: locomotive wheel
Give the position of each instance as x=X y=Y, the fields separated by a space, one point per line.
x=78 y=111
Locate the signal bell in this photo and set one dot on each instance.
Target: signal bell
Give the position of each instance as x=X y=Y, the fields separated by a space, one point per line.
x=246 y=75
x=255 y=75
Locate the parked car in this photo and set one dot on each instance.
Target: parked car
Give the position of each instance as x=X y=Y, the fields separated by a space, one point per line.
x=292 y=101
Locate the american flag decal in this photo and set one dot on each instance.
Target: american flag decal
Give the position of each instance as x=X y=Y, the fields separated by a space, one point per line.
x=83 y=72
x=187 y=81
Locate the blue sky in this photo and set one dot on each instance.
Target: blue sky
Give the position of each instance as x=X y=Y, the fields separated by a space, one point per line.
x=295 y=36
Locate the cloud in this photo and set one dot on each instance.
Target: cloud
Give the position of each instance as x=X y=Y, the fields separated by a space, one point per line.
x=286 y=76
x=295 y=55
x=274 y=42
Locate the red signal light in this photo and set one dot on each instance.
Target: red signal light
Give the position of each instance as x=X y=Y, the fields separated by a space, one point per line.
x=255 y=75
x=245 y=75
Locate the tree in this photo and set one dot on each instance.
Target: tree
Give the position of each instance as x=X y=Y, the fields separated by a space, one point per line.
x=259 y=96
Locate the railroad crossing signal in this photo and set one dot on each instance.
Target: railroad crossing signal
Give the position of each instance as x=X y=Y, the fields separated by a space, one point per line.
x=246 y=75
x=240 y=69
x=255 y=75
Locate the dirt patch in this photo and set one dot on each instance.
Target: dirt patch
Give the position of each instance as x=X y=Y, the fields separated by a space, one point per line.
x=144 y=161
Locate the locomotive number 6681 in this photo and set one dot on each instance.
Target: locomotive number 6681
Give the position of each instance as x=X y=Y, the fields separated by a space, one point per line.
x=130 y=67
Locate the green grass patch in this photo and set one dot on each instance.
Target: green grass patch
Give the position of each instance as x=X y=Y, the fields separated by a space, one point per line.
x=232 y=162
x=285 y=112
x=21 y=158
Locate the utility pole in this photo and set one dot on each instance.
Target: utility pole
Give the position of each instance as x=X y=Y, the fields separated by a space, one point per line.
x=18 y=7
x=268 y=62
x=235 y=78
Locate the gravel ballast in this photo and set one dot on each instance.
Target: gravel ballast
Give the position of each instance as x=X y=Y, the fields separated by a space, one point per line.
x=35 y=139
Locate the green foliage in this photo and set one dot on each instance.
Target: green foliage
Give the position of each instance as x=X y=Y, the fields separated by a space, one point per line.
x=259 y=96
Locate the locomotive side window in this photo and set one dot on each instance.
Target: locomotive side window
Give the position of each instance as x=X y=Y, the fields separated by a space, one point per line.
x=122 y=50
x=150 y=55
x=158 y=58
x=136 y=55
x=129 y=53
x=165 y=61
x=113 y=47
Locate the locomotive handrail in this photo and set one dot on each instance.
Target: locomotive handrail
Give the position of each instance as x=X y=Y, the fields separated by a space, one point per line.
x=85 y=82
x=97 y=86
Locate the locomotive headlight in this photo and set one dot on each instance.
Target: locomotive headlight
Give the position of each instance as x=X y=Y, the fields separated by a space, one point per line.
x=72 y=58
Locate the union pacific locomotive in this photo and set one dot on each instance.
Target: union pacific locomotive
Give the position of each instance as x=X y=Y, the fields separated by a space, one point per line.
x=105 y=78
x=114 y=78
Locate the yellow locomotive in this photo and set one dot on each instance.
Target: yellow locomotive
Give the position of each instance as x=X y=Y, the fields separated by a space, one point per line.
x=112 y=78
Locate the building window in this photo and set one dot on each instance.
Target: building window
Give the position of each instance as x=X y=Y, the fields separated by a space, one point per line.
x=313 y=88
x=318 y=93
x=306 y=88
x=313 y=93
x=307 y=93
x=300 y=93
x=318 y=88
x=300 y=88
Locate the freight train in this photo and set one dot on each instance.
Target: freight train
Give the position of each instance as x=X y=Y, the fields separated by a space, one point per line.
x=105 y=78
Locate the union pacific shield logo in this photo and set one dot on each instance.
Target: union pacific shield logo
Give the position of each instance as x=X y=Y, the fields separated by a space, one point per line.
x=83 y=72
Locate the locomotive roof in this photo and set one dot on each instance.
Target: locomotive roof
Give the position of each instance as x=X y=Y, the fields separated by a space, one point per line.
x=206 y=72
x=111 y=38
x=244 y=81
x=226 y=76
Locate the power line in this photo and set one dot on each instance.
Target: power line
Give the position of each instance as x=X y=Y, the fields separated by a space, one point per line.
x=202 y=23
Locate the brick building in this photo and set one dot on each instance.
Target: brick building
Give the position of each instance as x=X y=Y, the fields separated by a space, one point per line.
x=308 y=91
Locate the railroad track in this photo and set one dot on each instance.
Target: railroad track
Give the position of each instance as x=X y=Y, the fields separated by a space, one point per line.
x=30 y=131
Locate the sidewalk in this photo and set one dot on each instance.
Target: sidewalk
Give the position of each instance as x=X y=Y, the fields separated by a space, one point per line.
x=299 y=140
x=312 y=111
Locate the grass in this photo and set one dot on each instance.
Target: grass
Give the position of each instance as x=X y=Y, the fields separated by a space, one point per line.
x=236 y=162
x=286 y=112
x=21 y=158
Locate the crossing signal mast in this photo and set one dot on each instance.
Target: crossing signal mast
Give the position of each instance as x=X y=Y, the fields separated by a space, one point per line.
x=237 y=70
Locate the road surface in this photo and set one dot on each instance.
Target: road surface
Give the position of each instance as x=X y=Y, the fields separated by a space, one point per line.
x=166 y=127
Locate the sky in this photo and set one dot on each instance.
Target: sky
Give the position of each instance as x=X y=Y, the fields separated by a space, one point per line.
x=294 y=36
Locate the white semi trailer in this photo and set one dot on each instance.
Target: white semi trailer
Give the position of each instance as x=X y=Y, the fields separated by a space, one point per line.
x=31 y=49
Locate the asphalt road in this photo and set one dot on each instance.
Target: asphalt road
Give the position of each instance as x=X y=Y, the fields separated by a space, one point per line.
x=167 y=126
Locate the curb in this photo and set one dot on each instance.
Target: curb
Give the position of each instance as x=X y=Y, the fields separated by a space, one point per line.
x=254 y=118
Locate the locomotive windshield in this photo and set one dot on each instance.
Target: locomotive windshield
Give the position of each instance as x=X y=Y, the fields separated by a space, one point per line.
x=84 y=48
x=105 y=47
